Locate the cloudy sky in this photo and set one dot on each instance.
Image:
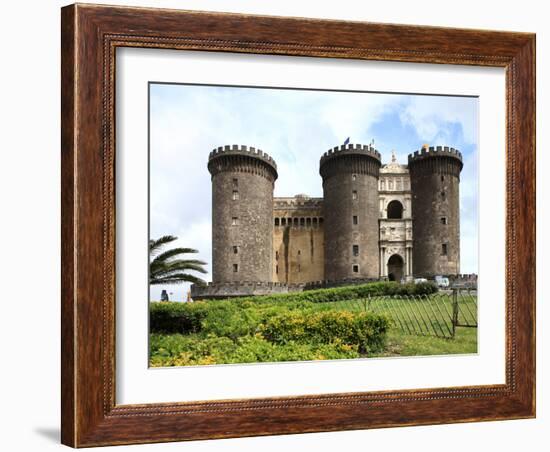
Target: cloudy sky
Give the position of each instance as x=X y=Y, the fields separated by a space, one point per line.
x=295 y=127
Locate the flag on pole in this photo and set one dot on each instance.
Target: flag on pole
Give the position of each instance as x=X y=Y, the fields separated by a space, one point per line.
x=347 y=141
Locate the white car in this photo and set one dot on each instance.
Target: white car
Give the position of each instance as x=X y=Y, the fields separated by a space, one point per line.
x=442 y=281
x=420 y=280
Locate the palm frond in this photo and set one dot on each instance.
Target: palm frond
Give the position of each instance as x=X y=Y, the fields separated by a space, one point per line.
x=155 y=244
x=166 y=268
x=178 y=278
x=173 y=252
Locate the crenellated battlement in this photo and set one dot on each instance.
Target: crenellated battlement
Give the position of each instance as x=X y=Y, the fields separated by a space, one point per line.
x=435 y=151
x=351 y=149
x=242 y=150
x=297 y=202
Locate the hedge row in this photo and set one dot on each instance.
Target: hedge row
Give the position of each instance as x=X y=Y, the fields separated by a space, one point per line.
x=241 y=316
x=389 y=288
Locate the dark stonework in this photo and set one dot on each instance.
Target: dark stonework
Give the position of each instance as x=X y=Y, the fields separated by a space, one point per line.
x=435 y=179
x=350 y=188
x=261 y=245
x=242 y=213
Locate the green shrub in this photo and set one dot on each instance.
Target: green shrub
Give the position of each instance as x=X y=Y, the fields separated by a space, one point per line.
x=189 y=350
x=346 y=293
x=176 y=317
x=365 y=330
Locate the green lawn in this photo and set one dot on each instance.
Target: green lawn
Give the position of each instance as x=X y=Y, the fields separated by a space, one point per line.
x=402 y=344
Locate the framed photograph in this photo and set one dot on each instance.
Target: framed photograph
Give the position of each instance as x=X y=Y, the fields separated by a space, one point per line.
x=282 y=225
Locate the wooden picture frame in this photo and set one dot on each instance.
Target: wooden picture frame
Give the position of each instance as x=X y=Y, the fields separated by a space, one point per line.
x=90 y=36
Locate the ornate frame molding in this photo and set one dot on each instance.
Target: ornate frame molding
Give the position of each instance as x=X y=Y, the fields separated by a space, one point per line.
x=90 y=37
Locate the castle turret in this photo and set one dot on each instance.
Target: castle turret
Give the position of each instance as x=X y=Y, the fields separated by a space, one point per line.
x=350 y=210
x=435 y=179
x=242 y=214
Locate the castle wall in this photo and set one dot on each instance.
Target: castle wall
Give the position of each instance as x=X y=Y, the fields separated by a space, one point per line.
x=298 y=240
x=262 y=244
x=350 y=209
x=435 y=179
x=242 y=209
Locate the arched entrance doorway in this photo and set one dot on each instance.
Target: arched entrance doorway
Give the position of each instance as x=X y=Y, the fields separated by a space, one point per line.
x=395 y=267
x=395 y=210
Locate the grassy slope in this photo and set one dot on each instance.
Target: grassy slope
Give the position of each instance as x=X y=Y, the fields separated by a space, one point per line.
x=177 y=350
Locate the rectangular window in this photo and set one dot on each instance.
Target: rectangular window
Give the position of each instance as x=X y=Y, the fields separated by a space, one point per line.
x=356 y=250
x=235 y=249
x=276 y=222
x=354 y=194
x=355 y=269
x=442 y=178
x=235 y=195
x=235 y=221
x=355 y=220
x=299 y=252
x=235 y=183
x=444 y=249
x=443 y=220
x=235 y=268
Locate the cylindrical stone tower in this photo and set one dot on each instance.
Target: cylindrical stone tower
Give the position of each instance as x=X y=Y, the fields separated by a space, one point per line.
x=350 y=211
x=242 y=214
x=435 y=179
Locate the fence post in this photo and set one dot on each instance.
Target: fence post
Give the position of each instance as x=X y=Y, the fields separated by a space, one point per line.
x=455 y=311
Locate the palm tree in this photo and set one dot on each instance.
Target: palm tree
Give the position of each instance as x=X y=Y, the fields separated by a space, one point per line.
x=167 y=267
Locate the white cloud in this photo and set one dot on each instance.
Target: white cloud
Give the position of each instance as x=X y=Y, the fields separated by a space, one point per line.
x=432 y=116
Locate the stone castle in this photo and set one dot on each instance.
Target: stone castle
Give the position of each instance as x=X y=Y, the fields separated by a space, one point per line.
x=388 y=222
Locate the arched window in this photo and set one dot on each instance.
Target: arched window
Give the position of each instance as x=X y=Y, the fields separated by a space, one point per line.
x=395 y=210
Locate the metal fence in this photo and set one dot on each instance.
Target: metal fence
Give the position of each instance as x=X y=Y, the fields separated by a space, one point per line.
x=438 y=314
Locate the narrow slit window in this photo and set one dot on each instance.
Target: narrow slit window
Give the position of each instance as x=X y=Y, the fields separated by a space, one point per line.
x=356 y=250
x=354 y=194
x=354 y=177
x=235 y=195
x=355 y=220
x=235 y=221
x=235 y=250
x=235 y=183
x=235 y=268
x=444 y=249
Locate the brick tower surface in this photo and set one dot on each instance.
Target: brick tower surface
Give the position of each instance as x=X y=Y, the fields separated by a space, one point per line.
x=350 y=210
x=242 y=214
x=435 y=180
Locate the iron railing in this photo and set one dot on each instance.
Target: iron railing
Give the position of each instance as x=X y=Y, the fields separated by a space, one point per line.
x=438 y=314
